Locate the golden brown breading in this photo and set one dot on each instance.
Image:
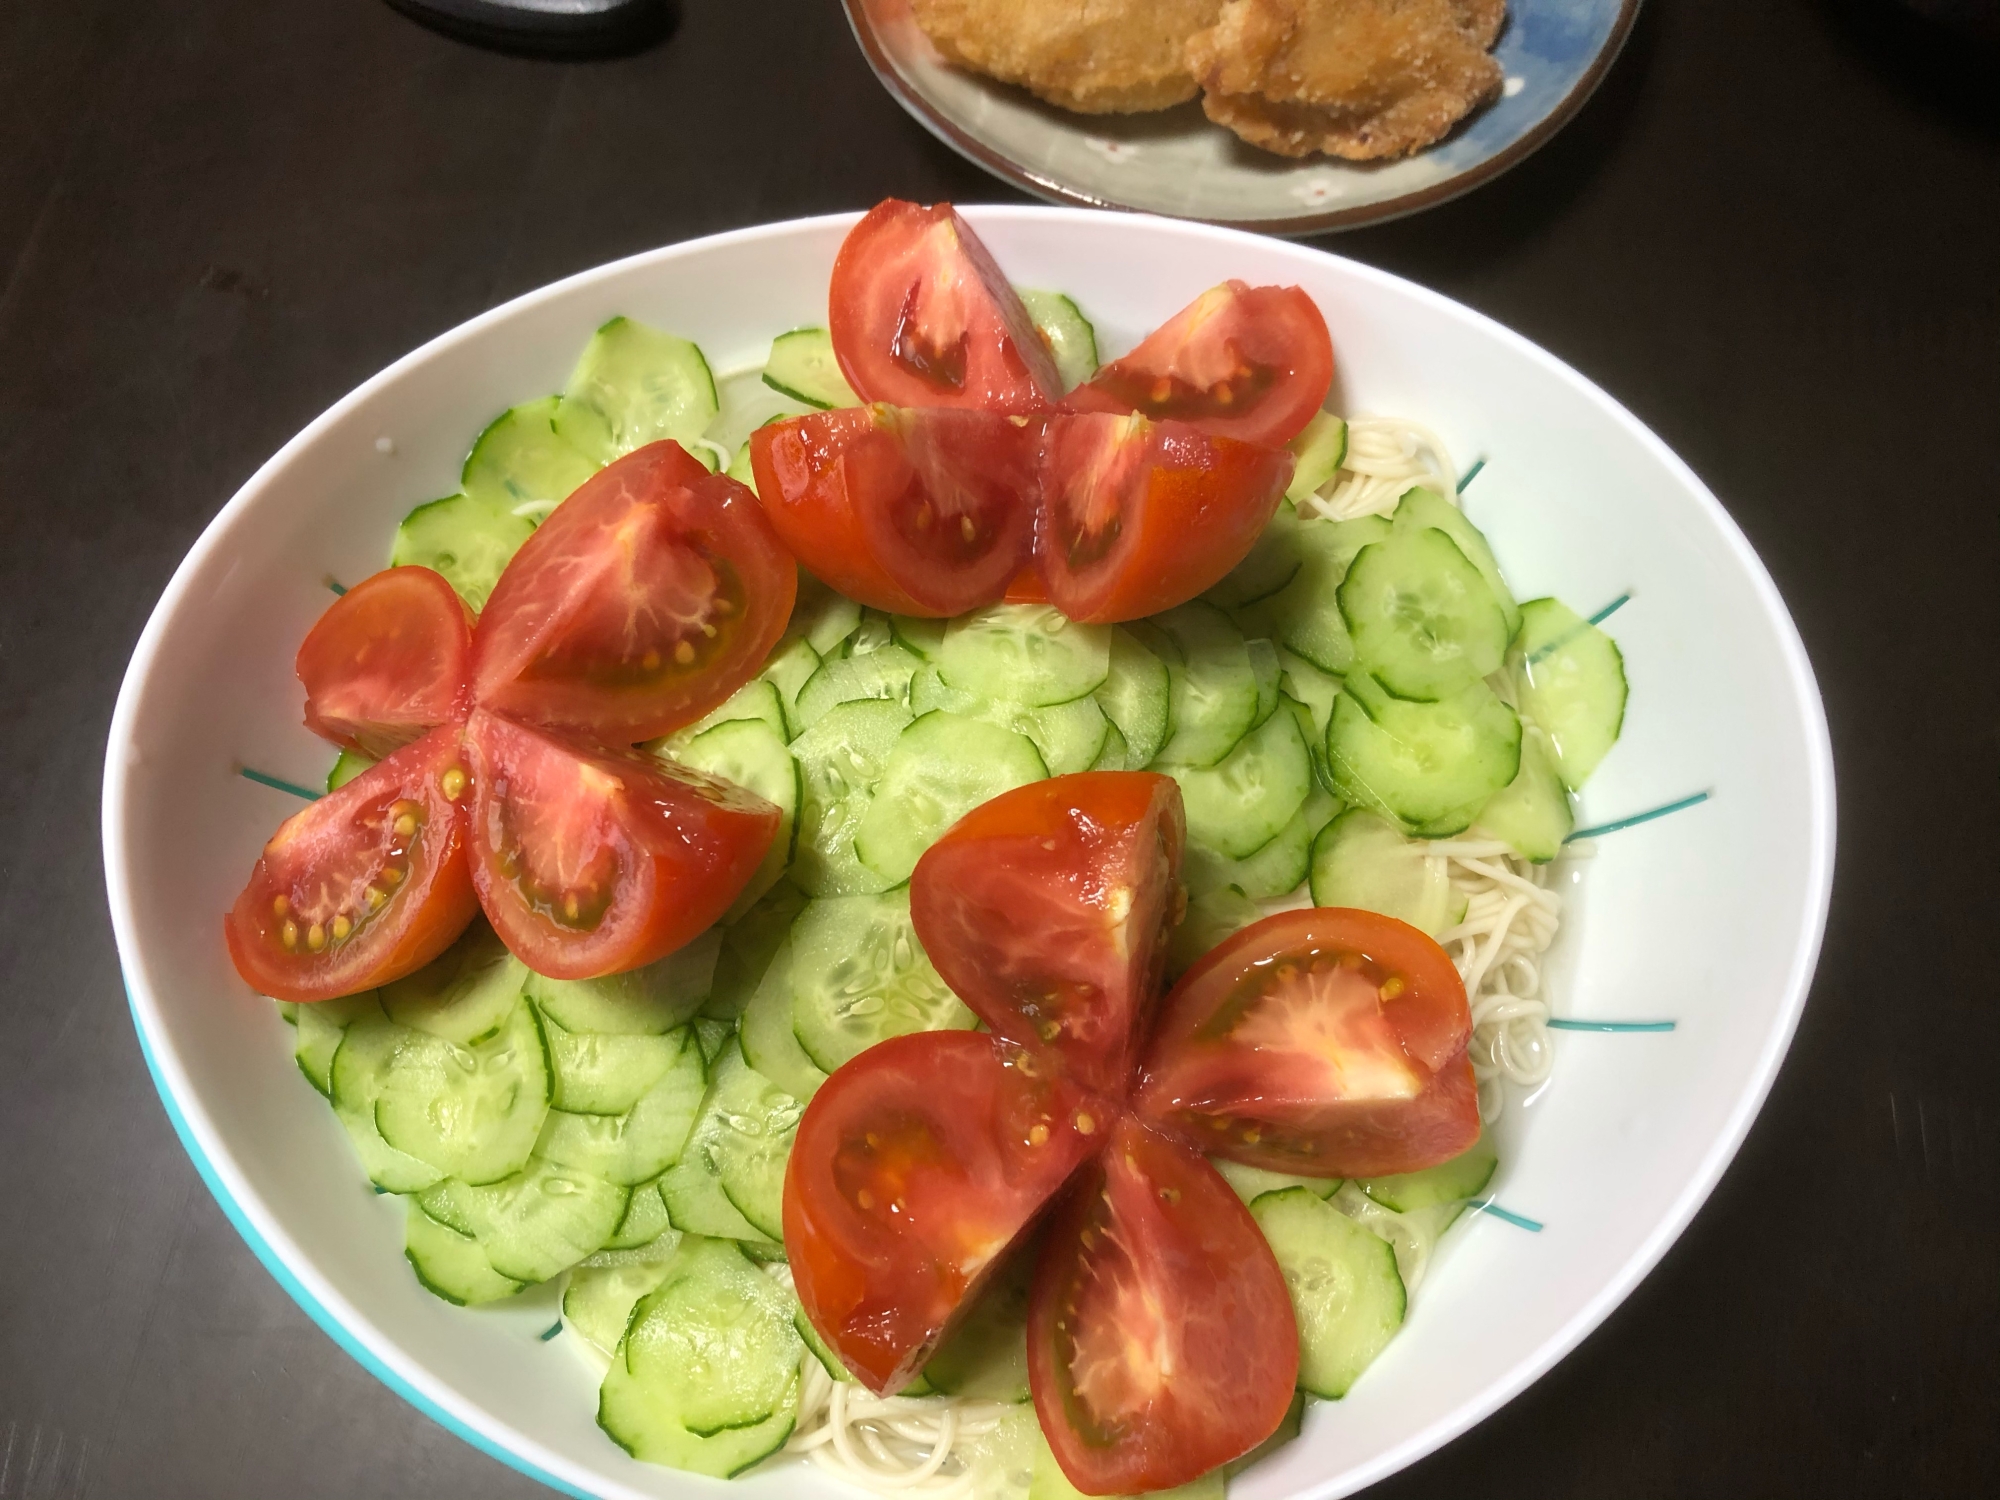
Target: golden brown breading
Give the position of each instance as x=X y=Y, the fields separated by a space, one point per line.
x=1093 y=56
x=1361 y=79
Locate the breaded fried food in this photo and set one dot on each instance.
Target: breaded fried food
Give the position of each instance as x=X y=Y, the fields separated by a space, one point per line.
x=1093 y=56
x=1360 y=79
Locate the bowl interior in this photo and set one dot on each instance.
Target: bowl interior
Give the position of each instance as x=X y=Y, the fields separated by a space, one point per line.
x=1710 y=917
x=1176 y=162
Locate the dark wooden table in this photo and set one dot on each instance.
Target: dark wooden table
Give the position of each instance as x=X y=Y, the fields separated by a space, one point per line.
x=1775 y=234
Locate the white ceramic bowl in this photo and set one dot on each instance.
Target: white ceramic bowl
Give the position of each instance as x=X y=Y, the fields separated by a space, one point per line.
x=1711 y=917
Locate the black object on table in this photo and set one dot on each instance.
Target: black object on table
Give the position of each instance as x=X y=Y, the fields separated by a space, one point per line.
x=1773 y=234
x=548 y=28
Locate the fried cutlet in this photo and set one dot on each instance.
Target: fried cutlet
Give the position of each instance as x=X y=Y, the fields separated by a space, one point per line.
x=1092 y=56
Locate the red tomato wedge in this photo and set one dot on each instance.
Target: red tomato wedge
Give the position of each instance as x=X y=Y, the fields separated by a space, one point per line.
x=388 y=662
x=592 y=861
x=1047 y=910
x=926 y=512
x=1139 y=516
x=1327 y=1042
x=921 y=316
x=1247 y=362
x=366 y=885
x=1161 y=1338
x=648 y=596
x=916 y=1166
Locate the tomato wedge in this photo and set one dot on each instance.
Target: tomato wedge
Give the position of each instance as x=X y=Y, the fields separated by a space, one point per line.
x=1327 y=1042
x=921 y=316
x=366 y=885
x=647 y=597
x=1161 y=1338
x=1247 y=362
x=926 y=512
x=1047 y=910
x=916 y=1166
x=1139 y=516
x=592 y=861
x=388 y=662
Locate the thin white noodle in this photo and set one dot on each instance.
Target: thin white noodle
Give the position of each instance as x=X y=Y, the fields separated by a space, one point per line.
x=1386 y=456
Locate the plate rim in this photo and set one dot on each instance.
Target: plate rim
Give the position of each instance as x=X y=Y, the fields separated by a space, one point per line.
x=1061 y=194
x=358 y=1334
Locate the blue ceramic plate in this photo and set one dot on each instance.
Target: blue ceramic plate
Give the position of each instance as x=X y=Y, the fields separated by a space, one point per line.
x=1176 y=162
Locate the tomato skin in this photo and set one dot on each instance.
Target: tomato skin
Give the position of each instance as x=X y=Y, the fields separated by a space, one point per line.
x=1161 y=1337
x=1246 y=362
x=921 y=316
x=1327 y=1042
x=388 y=662
x=1047 y=911
x=1139 y=516
x=325 y=861
x=648 y=597
x=916 y=1167
x=592 y=860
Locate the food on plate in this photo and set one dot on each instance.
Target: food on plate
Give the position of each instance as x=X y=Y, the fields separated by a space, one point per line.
x=1361 y=79
x=1017 y=1031
x=1095 y=57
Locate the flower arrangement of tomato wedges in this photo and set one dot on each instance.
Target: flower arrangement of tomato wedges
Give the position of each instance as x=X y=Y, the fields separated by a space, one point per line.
x=1323 y=1043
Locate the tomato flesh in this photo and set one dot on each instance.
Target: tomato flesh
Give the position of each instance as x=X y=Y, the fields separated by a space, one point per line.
x=1139 y=516
x=915 y=1168
x=647 y=598
x=387 y=662
x=591 y=861
x=366 y=885
x=920 y=315
x=1047 y=911
x=1161 y=1338
x=1246 y=362
x=1325 y=1042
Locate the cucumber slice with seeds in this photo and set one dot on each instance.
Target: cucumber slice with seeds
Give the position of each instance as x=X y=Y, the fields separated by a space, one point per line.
x=643 y=1142
x=466 y=540
x=519 y=466
x=882 y=674
x=769 y=1043
x=1265 y=668
x=1136 y=696
x=597 y=1304
x=1430 y=765
x=641 y=1002
x=1421 y=617
x=1213 y=685
x=750 y=753
x=320 y=1026
x=1066 y=331
x=1029 y=653
x=451 y=1265
x=1273 y=561
x=1277 y=869
x=1571 y=682
x=1422 y=508
x=1068 y=736
x=1251 y=1183
x=472 y=1112
x=1113 y=754
x=1362 y=860
x=802 y=366
x=692 y=1187
x=1345 y=1288
x=597 y=1073
x=841 y=758
x=860 y=976
x=635 y=385
x=354 y=1081
x=790 y=668
x=759 y=698
x=1244 y=800
x=1462 y=1178
x=759 y=1120
x=535 y=1224
x=464 y=995
x=923 y=637
x=1304 y=616
x=643 y=1224
x=1318 y=452
x=944 y=765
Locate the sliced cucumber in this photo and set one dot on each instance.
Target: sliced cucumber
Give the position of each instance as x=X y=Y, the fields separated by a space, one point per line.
x=985 y=1358
x=1318 y=451
x=1277 y=869
x=790 y=668
x=1067 y=332
x=758 y=698
x=1362 y=860
x=769 y=1043
x=644 y=1224
x=1462 y=1178
x=1421 y=617
x=748 y=945
x=535 y=1224
x=597 y=1304
x=1244 y=800
x=883 y=674
x=1289 y=1427
x=1345 y=1288
x=1137 y=696
x=466 y=540
x=1265 y=668
x=645 y=1140
x=802 y=366
x=711 y=1035
x=1213 y=685
x=692 y=1187
x=354 y=1083
x=873 y=633
x=1422 y=508
x=451 y=1265
x=1029 y=653
x=824 y=618
x=758 y=1122
x=944 y=765
x=1251 y=1183
x=634 y=385
x=1571 y=679
x=1273 y=561
x=1304 y=616
x=464 y=995
x=1211 y=916
x=841 y=758
x=1048 y=1482
x=741 y=469
x=924 y=637
x=706 y=1377
x=859 y=976
x=472 y=1112
x=1068 y=736
x=752 y=754
x=346 y=766
x=320 y=1026
x=601 y=1074
x=1114 y=754
x=1532 y=812
x=1431 y=765
x=519 y=466
x=641 y=1002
